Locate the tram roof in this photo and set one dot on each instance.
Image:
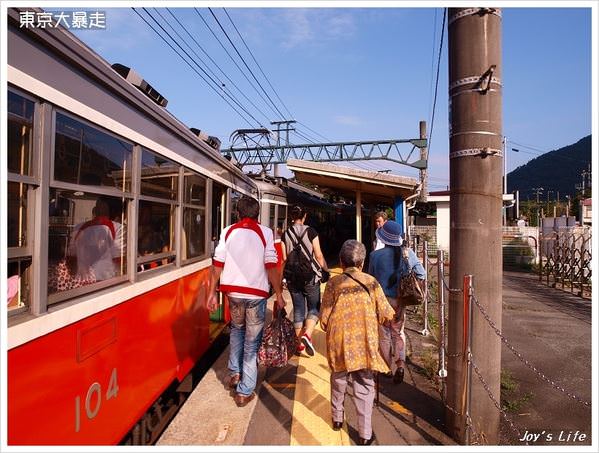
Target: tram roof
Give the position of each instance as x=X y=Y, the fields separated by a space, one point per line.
x=376 y=187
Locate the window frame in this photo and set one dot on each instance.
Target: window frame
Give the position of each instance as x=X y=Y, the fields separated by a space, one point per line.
x=175 y=252
x=40 y=181
x=205 y=209
x=53 y=183
x=33 y=185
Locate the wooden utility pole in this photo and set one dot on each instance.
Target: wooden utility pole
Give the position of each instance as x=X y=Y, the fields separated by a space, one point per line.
x=423 y=173
x=475 y=161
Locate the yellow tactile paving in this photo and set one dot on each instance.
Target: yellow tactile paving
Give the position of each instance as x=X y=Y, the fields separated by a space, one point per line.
x=311 y=423
x=398 y=408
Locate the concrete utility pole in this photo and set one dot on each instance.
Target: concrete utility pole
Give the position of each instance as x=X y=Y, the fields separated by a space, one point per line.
x=476 y=164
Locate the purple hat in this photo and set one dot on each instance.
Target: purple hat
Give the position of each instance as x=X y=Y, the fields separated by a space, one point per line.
x=390 y=233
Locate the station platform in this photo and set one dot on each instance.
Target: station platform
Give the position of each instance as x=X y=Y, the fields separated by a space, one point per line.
x=292 y=407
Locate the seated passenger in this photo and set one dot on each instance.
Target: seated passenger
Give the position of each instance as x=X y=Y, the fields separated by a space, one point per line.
x=94 y=244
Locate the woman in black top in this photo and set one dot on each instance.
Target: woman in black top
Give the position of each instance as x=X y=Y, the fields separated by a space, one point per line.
x=304 y=287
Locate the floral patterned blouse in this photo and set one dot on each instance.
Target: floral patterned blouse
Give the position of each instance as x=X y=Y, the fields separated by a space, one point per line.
x=348 y=315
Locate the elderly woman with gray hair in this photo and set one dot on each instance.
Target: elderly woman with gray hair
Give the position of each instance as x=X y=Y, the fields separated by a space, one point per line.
x=353 y=306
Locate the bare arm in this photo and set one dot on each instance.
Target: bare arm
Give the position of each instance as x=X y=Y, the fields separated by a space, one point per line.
x=275 y=280
x=318 y=253
x=212 y=300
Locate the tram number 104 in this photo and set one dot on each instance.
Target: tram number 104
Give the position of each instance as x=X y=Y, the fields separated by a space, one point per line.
x=93 y=399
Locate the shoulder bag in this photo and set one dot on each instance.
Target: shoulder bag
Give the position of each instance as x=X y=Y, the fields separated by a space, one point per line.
x=409 y=290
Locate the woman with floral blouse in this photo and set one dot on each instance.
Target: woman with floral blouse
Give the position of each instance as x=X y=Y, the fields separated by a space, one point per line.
x=353 y=306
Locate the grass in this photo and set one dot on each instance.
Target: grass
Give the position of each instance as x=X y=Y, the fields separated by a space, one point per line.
x=510 y=401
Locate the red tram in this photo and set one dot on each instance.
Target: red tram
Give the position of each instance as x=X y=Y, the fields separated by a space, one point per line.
x=95 y=336
x=114 y=209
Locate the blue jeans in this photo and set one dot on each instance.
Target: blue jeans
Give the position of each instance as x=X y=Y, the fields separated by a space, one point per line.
x=308 y=296
x=247 y=325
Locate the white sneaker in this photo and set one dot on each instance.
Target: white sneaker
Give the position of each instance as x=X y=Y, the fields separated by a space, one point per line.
x=307 y=342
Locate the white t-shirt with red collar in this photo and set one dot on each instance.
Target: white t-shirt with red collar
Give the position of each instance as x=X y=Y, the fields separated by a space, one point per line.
x=245 y=250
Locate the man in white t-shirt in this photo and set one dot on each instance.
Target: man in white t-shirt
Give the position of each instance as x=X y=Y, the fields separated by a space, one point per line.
x=96 y=244
x=245 y=260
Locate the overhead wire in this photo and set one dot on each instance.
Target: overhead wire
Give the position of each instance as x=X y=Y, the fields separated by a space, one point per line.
x=244 y=62
x=312 y=130
x=430 y=135
x=219 y=83
x=189 y=64
x=539 y=152
x=430 y=90
x=212 y=79
x=234 y=61
x=257 y=64
x=302 y=134
x=217 y=65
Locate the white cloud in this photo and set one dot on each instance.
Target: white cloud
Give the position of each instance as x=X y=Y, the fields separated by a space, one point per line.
x=348 y=120
x=124 y=31
x=298 y=29
x=313 y=26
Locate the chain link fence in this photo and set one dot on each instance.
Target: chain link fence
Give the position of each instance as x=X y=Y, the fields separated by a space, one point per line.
x=473 y=436
x=566 y=259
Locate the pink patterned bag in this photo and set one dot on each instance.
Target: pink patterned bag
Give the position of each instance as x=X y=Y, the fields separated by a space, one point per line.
x=61 y=278
x=279 y=342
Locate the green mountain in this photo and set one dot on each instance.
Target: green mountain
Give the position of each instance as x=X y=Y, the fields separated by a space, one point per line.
x=557 y=171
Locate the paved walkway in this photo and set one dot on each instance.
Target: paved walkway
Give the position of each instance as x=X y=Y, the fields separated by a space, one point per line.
x=549 y=327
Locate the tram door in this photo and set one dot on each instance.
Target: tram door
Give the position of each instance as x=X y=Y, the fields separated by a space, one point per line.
x=219 y=222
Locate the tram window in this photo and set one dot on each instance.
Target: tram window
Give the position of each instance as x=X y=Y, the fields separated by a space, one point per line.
x=194 y=226
x=20 y=130
x=85 y=155
x=17 y=214
x=271 y=216
x=18 y=295
x=194 y=215
x=159 y=176
x=235 y=196
x=218 y=209
x=155 y=230
x=87 y=239
x=281 y=218
x=195 y=189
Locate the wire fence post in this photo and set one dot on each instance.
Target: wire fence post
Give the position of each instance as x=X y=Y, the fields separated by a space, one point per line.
x=467 y=356
x=441 y=300
x=425 y=331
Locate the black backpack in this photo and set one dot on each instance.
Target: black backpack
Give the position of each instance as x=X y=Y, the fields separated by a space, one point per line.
x=298 y=268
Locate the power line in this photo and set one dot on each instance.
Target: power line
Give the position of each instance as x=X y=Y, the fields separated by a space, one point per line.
x=430 y=136
x=219 y=83
x=201 y=69
x=430 y=89
x=244 y=62
x=233 y=60
x=312 y=130
x=257 y=64
x=217 y=66
x=303 y=135
x=541 y=152
x=187 y=62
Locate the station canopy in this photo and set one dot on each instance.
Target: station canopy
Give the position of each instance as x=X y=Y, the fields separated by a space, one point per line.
x=375 y=187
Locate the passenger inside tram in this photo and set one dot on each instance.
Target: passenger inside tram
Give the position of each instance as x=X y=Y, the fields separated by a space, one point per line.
x=94 y=243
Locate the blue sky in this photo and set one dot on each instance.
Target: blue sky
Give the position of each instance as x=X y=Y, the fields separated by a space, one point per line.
x=365 y=73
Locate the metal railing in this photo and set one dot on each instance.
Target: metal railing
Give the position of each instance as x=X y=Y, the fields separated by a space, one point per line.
x=468 y=360
x=566 y=259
